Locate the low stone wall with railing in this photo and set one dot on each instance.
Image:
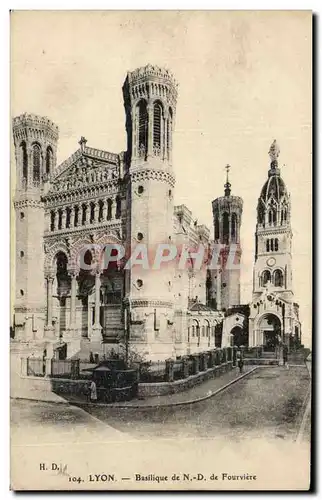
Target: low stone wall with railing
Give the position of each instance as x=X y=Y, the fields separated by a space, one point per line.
x=164 y=377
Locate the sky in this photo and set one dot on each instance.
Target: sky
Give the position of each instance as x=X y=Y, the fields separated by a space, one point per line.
x=244 y=80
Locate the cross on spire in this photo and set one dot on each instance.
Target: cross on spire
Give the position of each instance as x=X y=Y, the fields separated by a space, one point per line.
x=227 y=185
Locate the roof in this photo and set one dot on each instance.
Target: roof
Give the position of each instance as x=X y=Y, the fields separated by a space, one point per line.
x=274 y=186
x=200 y=307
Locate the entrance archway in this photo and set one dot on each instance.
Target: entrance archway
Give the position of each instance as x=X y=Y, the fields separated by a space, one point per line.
x=270 y=328
x=240 y=337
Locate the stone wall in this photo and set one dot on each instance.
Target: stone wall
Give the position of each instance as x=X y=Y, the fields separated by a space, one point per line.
x=163 y=388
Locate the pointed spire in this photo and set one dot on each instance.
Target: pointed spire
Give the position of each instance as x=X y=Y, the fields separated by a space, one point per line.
x=227 y=185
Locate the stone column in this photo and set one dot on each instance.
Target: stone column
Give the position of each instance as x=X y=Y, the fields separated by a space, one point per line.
x=97 y=329
x=54 y=221
x=72 y=321
x=63 y=218
x=84 y=221
x=72 y=217
x=49 y=326
x=104 y=210
x=96 y=212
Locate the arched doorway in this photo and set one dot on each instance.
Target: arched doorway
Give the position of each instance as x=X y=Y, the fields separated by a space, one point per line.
x=240 y=337
x=270 y=328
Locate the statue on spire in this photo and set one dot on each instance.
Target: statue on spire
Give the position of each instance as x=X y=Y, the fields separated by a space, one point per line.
x=274 y=151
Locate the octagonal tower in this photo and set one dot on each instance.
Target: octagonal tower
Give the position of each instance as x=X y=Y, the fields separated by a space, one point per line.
x=35 y=140
x=150 y=96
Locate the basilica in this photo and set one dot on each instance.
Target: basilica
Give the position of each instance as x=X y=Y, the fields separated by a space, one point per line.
x=70 y=213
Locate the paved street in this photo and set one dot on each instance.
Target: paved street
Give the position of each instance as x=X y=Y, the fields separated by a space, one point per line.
x=267 y=403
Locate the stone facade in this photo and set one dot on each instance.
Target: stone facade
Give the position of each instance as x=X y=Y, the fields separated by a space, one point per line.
x=74 y=296
x=96 y=198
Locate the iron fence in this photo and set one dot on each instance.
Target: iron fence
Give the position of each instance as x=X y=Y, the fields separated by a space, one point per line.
x=36 y=367
x=65 y=368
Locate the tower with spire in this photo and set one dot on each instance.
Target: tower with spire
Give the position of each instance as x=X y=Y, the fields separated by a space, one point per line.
x=274 y=315
x=273 y=238
x=225 y=281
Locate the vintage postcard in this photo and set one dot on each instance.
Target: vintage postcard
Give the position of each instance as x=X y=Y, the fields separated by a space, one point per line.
x=161 y=211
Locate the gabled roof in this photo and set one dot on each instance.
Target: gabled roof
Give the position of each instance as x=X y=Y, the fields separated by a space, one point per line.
x=85 y=152
x=200 y=307
x=87 y=166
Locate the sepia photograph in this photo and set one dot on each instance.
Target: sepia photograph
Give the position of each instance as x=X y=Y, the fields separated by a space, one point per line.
x=161 y=250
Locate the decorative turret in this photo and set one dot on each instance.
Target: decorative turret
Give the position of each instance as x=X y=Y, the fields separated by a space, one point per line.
x=150 y=97
x=35 y=139
x=273 y=208
x=273 y=237
x=227 y=214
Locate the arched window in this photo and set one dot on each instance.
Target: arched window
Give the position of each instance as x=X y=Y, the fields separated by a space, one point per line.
x=266 y=277
x=169 y=132
x=234 y=226
x=61 y=266
x=52 y=220
x=76 y=215
x=272 y=245
x=157 y=117
x=109 y=209
x=194 y=328
x=36 y=159
x=207 y=328
x=272 y=215
x=217 y=228
x=118 y=208
x=68 y=212
x=100 y=210
x=92 y=212
x=24 y=159
x=225 y=227
x=267 y=245
x=142 y=116
x=49 y=160
x=260 y=214
x=60 y=219
x=278 y=278
x=276 y=245
x=84 y=213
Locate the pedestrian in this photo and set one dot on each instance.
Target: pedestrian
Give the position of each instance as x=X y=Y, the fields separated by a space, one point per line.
x=93 y=392
x=240 y=361
x=285 y=356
